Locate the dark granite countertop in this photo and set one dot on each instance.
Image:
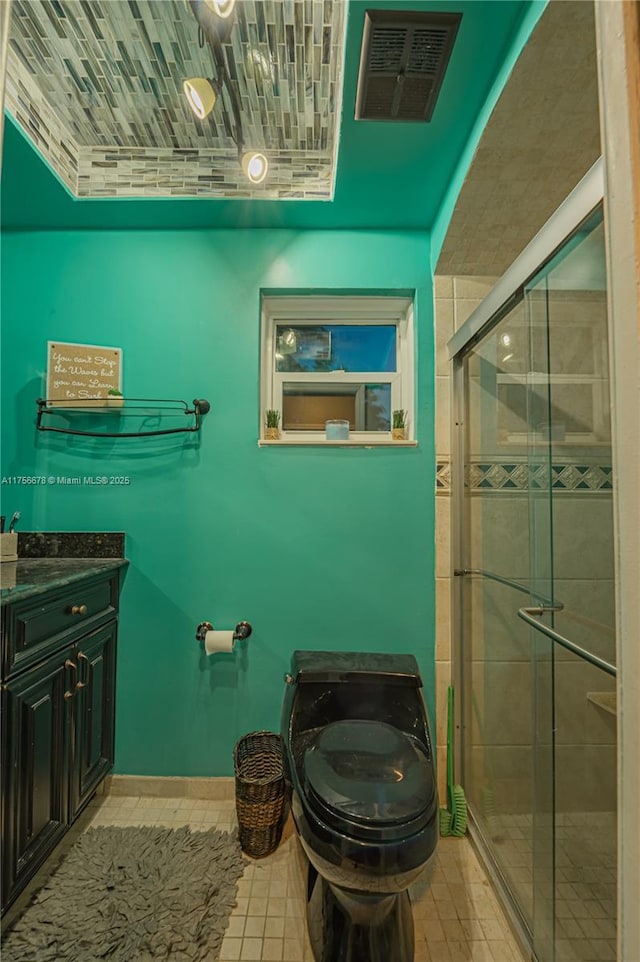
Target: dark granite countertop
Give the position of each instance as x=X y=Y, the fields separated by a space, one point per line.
x=33 y=576
x=71 y=544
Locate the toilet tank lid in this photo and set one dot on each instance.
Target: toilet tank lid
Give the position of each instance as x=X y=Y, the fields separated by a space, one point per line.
x=362 y=667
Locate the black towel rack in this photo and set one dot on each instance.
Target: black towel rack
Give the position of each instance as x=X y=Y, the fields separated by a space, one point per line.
x=137 y=407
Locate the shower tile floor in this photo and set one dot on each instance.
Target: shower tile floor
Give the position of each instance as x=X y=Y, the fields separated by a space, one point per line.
x=457 y=916
x=586 y=882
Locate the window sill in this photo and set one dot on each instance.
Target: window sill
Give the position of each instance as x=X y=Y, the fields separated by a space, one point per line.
x=323 y=443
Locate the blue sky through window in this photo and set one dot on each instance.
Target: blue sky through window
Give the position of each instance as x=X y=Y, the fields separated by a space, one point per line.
x=336 y=347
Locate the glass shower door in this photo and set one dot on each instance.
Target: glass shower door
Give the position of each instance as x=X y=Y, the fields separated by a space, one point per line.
x=497 y=767
x=573 y=631
x=538 y=749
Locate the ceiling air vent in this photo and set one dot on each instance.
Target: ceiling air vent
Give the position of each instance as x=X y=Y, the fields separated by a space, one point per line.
x=402 y=64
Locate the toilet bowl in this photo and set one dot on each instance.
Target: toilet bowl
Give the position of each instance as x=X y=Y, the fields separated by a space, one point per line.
x=363 y=795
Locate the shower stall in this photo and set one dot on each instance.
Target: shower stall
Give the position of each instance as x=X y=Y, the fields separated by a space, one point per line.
x=534 y=623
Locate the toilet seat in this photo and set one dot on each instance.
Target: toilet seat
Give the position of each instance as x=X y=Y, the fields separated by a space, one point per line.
x=369 y=780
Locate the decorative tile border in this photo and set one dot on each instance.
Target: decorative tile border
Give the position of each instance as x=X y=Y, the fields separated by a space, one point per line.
x=577 y=477
x=497 y=475
x=443 y=477
x=98 y=89
x=511 y=476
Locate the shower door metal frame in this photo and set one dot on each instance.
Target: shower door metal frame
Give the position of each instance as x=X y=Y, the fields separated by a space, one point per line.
x=508 y=291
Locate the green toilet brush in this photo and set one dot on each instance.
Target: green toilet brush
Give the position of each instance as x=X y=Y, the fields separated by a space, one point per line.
x=453 y=818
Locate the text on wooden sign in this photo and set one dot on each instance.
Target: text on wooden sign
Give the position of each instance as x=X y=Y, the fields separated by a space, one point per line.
x=77 y=372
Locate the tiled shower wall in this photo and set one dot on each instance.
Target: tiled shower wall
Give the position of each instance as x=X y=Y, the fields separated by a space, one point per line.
x=455 y=299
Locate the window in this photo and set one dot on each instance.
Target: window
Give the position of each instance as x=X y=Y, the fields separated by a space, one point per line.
x=337 y=358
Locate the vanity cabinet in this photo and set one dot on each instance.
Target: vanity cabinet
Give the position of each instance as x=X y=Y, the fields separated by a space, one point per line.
x=94 y=715
x=58 y=713
x=34 y=742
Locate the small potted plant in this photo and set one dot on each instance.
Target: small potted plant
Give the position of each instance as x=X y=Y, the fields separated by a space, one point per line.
x=114 y=398
x=399 y=426
x=272 y=425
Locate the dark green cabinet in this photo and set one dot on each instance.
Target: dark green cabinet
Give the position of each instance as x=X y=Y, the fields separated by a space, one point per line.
x=92 y=755
x=58 y=720
x=35 y=724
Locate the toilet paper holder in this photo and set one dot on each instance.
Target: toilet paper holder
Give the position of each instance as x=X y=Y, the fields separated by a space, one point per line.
x=242 y=630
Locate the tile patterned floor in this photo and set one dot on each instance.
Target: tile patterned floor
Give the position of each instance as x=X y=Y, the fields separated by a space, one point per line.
x=457 y=916
x=585 y=876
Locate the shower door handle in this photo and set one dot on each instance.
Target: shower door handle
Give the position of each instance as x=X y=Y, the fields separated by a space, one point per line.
x=531 y=615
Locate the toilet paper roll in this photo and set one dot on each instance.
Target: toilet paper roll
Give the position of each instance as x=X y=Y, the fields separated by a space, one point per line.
x=218 y=641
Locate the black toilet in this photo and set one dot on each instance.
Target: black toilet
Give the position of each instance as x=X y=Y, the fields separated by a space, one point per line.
x=364 y=798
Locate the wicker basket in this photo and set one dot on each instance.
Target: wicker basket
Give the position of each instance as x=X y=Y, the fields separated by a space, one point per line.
x=261 y=792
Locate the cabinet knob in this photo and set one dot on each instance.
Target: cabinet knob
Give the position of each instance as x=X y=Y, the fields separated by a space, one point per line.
x=78 y=610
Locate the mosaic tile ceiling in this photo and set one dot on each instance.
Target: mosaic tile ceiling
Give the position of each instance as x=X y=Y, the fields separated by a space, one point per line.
x=97 y=86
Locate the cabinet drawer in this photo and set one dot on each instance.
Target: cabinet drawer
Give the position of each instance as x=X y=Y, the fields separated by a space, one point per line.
x=37 y=627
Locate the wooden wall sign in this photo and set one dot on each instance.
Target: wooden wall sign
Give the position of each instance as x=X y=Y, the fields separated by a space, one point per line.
x=81 y=372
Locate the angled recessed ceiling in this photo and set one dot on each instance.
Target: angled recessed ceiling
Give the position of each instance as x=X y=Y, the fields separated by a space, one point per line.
x=542 y=137
x=98 y=88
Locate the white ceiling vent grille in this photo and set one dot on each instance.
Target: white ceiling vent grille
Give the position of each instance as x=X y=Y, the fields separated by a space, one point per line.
x=402 y=64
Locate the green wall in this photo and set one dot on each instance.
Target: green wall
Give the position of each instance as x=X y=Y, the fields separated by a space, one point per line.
x=327 y=548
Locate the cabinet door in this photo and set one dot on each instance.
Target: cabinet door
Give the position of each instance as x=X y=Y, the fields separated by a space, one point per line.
x=36 y=720
x=94 y=711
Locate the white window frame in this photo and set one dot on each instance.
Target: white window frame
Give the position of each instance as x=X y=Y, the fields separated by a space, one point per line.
x=313 y=310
